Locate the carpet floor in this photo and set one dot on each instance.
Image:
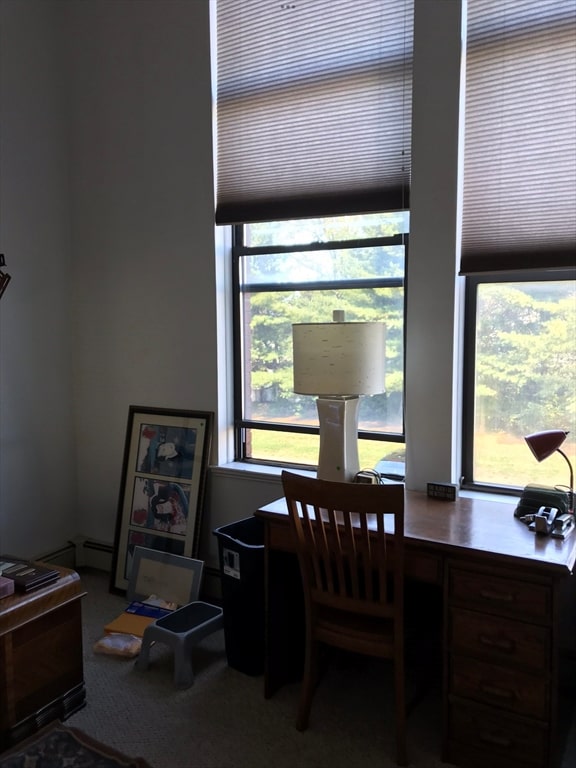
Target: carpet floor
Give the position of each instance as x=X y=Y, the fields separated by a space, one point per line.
x=223 y=719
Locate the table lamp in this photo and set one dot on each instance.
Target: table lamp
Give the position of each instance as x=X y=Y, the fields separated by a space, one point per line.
x=544 y=444
x=338 y=362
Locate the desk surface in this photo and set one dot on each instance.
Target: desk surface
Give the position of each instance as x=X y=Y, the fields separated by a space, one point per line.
x=481 y=525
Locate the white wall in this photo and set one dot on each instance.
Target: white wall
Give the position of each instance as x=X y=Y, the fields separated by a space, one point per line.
x=125 y=311
x=143 y=235
x=37 y=453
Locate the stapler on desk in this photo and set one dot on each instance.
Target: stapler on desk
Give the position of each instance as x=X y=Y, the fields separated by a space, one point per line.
x=543 y=522
x=563 y=526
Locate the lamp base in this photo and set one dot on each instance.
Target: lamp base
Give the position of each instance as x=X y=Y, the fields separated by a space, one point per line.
x=338 y=459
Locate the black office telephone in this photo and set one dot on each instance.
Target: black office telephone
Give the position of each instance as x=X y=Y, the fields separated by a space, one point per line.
x=545 y=510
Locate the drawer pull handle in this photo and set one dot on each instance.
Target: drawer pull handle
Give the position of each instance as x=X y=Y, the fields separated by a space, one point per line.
x=496 y=739
x=501 y=597
x=500 y=693
x=497 y=642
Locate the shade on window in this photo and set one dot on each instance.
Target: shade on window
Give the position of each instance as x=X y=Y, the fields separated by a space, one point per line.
x=313 y=108
x=520 y=136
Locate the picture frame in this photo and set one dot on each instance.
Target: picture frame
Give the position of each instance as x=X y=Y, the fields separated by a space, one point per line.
x=174 y=578
x=163 y=484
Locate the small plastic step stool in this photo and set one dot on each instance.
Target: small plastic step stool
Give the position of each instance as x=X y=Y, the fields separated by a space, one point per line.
x=181 y=630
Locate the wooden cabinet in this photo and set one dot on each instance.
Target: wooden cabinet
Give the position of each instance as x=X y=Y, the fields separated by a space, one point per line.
x=499 y=668
x=41 y=663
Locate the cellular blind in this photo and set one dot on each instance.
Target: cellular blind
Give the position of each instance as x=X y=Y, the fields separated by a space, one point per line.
x=519 y=208
x=313 y=108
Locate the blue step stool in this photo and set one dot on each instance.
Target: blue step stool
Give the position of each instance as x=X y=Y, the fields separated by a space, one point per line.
x=181 y=630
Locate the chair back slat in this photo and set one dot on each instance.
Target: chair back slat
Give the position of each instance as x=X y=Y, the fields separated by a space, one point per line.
x=348 y=559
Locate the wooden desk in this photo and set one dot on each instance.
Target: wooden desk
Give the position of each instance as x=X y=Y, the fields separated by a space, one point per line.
x=504 y=589
x=41 y=665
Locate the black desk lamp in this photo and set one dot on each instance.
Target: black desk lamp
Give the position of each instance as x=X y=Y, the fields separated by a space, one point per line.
x=544 y=444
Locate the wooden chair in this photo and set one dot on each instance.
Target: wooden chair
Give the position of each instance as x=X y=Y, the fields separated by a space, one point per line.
x=352 y=576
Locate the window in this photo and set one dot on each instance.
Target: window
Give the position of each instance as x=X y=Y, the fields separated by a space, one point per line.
x=519 y=238
x=521 y=358
x=300 y=271
x=313 y=121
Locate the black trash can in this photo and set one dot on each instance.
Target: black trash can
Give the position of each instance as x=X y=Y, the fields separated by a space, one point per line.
x=241 y=552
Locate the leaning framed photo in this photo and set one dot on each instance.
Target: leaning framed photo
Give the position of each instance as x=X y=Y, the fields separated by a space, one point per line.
x=162 y=487
x=172 y=577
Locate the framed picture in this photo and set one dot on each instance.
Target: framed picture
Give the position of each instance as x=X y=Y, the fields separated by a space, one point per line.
x=170 y=577
x=163 y=484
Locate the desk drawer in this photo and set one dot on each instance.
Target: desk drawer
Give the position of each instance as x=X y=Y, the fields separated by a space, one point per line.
x=500 y=639
x=498 y=686
x=501 y=595
x=487 y=738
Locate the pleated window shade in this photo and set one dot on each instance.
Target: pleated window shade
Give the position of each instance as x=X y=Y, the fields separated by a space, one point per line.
x=313 y=108
x=520 y=136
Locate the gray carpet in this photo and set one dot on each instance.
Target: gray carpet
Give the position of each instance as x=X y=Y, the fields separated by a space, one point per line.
x=223 y=720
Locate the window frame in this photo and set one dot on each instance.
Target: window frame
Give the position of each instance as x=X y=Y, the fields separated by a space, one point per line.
x=472 y=282
x=239 y=250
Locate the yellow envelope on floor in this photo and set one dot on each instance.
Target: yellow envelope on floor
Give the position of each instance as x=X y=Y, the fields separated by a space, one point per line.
x=129 y=624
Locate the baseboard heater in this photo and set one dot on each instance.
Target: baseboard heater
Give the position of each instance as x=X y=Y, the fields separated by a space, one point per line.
x=98 y=546
x=87 y=553
x=94 y=554
x=64 y=556
x=81 y=553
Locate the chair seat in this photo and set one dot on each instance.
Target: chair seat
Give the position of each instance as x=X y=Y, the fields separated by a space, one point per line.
x=370 y=635
x=181 y=630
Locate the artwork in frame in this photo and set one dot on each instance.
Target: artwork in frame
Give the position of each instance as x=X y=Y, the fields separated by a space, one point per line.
x=171 y=577
x=162 y=488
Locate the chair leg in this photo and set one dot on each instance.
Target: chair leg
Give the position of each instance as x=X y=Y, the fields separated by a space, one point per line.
x=309 y=682
x=400 y=712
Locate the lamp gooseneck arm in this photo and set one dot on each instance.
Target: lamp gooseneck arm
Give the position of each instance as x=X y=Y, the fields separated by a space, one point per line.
x=571 y=479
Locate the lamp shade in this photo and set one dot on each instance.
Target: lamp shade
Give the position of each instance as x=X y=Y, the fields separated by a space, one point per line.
x=543 y=444
x=339 y=358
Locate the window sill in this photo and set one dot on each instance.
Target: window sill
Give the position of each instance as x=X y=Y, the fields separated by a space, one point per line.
x=257 y=471
x=266 y=472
